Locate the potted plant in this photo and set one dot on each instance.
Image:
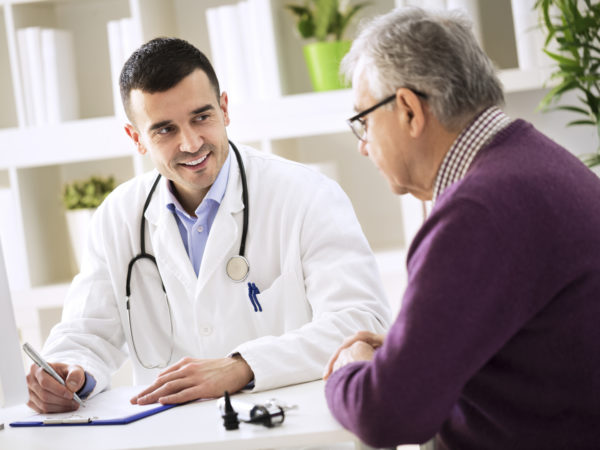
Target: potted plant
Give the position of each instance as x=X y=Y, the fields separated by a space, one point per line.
x=324 y=22
x=573 y=29
x=81 y=198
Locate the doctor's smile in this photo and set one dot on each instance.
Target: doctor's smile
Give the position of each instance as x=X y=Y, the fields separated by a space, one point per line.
x=197 y=162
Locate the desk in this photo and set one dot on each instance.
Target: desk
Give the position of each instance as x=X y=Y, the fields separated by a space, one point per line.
x=193 y=426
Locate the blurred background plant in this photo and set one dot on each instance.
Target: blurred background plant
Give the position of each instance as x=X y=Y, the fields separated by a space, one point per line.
x=572 y=30
x=88 y=193
x=324 y=19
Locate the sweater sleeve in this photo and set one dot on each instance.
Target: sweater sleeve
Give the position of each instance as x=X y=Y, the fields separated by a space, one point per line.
x=463 y=302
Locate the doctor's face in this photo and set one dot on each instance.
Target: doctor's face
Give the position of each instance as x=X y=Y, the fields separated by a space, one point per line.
x=183 y=130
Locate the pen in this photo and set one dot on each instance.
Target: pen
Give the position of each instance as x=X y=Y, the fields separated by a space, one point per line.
x=37 y=358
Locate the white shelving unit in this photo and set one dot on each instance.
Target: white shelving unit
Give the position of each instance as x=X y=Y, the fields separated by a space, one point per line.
x=309 y=127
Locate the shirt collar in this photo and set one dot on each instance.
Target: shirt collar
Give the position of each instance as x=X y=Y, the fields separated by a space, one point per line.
x=215 y=193
x=470 y=141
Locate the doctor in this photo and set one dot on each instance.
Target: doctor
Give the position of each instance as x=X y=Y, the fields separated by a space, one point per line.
x=204 y=311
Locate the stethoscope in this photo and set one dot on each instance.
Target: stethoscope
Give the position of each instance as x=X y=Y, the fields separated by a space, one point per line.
x=237 y=267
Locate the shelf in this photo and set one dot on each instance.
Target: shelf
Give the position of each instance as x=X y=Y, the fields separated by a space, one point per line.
x=82 y=140
x=322 y=113
x=516 y=80
x=292 y=116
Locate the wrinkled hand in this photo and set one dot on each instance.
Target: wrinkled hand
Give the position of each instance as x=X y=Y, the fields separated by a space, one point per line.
x=359 y=347
x=191 y=379
x=46 y=395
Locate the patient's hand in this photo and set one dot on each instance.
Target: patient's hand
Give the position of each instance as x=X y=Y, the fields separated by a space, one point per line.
x=191 y=379
x=359 y=347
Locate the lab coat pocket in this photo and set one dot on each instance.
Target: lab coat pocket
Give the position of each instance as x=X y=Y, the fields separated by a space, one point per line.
x=280 y=307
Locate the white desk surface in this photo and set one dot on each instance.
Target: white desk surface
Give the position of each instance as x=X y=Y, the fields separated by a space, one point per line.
x=193 y=426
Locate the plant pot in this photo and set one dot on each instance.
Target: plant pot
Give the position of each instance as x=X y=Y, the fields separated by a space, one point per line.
x=323 y=62
x=78 y=221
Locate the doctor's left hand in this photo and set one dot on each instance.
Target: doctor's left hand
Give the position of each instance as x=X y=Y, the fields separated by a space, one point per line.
x=191 y=379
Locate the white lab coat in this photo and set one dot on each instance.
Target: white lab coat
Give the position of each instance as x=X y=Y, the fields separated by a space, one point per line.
x=317 y=278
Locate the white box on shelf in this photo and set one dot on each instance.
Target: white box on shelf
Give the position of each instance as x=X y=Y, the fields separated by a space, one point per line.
x=528 y=34
x=60 y=83
x=471 y=9
x=122 y=41
x=33 y=49
x=261 y=15
x=29 y=118
x=236 y=81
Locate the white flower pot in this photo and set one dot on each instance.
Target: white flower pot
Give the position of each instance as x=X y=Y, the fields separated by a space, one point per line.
x=78 y=221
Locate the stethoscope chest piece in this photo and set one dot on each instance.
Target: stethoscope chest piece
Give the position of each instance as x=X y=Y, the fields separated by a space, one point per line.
x=237 y=268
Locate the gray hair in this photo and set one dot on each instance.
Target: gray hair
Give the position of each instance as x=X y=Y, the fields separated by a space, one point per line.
x=433 y=52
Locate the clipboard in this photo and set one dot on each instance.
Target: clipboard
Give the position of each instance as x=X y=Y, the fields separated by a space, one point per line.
x=107 y=408
x=78 y=420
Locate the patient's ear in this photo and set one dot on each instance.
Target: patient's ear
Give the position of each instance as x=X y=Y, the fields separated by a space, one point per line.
x=411 y=110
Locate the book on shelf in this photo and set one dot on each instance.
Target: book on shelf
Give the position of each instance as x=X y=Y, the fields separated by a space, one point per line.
x=47 y=64
x=468 y=7
x=243 y=50
x=528 y=35
x=25 y=77
x=32 y=54
x=471 y=9
x=234 y=59
x=426 y=4
x=60 y=81
x=122 y=41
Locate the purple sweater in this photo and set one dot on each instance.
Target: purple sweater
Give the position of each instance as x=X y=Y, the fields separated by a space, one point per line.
x=497 y=344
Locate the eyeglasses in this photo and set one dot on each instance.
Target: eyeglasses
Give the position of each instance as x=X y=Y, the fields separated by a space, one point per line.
x=357 y=123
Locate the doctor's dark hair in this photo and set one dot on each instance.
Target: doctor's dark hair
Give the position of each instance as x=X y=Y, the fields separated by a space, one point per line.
x=159 y=65
x=434 y=52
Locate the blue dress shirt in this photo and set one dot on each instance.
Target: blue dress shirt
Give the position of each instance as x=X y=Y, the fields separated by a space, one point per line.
x=195 y=230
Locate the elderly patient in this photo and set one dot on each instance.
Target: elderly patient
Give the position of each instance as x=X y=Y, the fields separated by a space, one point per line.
x=497 y=342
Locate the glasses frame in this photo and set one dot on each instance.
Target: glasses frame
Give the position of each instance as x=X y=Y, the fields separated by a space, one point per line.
x=369 y=110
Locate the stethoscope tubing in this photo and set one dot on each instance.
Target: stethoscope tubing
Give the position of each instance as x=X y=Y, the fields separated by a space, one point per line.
x=144 y=255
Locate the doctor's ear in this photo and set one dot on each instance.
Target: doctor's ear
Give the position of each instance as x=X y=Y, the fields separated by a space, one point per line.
x=224 y=105
x=135 y=137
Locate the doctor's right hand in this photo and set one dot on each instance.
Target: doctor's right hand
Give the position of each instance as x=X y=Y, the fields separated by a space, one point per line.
x=192 y=378
x=46 y=395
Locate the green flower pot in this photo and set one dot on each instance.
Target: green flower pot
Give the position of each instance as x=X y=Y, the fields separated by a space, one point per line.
x=323 y=62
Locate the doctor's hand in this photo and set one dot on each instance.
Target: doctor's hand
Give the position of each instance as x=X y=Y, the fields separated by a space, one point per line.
x=359 y=347
x=191 y=379
x=46 y=395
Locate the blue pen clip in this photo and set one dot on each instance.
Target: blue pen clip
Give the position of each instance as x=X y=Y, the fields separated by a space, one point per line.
x=252 y=292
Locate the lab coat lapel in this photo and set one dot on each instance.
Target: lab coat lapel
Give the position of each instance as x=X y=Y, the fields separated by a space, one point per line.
x=166 y=240
x=224 y=238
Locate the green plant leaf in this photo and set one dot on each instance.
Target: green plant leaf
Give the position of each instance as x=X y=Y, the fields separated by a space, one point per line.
x=591 y=159
x=563 y=60
x=324 y=14
x=348 y=16
x=573 y=109
x=88 y=193
x=581 y=122
x=322 y=19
